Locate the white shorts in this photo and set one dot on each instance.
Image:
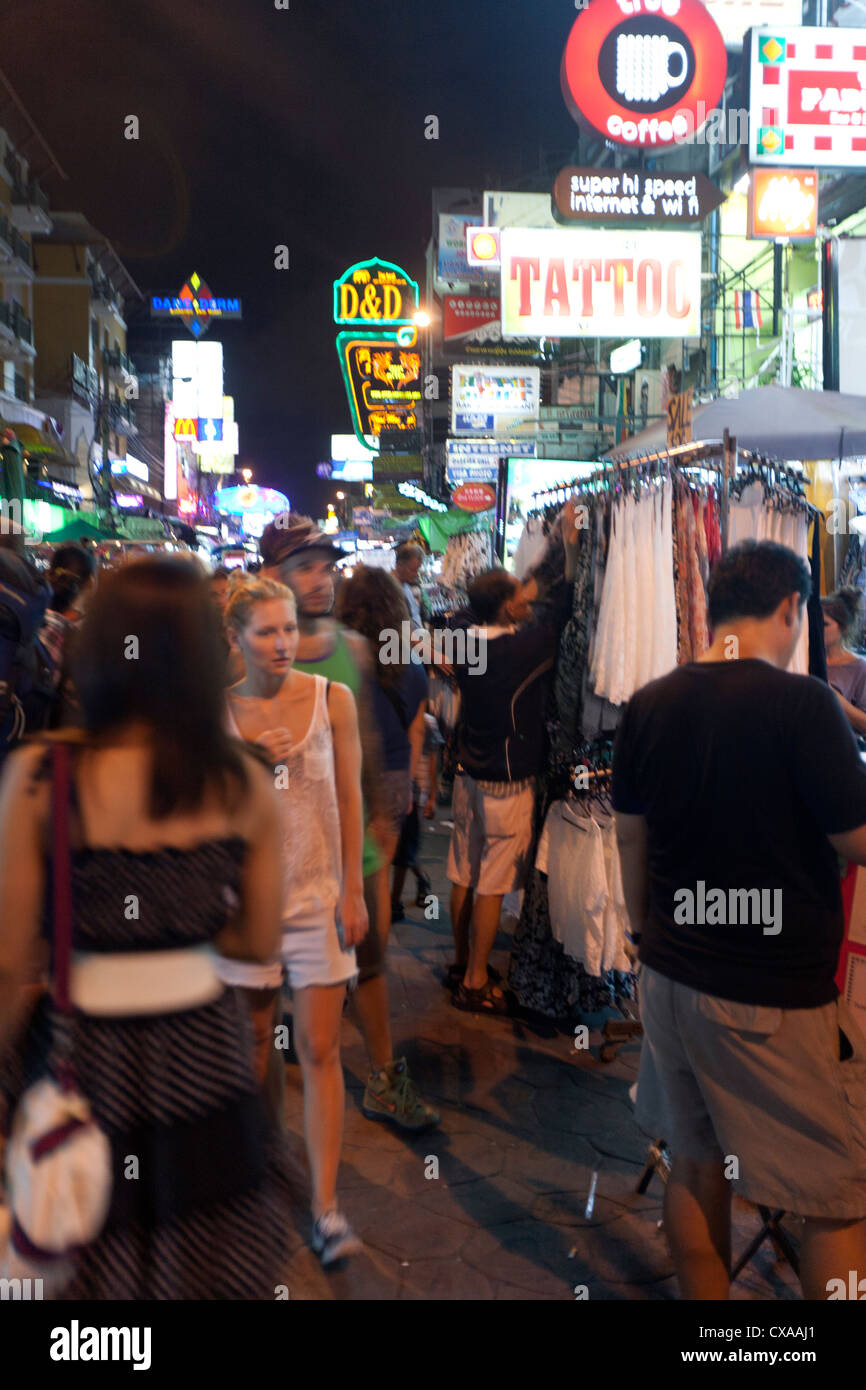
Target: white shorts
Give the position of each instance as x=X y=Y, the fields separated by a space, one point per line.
x=492 y=834
x=314 y=956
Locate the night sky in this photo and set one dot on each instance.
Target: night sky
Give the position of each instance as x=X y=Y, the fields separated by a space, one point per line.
x=302 y=127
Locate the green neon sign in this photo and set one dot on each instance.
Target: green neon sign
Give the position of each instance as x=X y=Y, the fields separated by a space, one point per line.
x=375 y=295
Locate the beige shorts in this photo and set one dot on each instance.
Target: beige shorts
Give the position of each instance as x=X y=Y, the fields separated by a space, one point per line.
x=783 y=1091
x=315 y=956
x=492 y=834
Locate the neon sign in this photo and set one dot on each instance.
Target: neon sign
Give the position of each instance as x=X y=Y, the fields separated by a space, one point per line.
x=195 y=306
x=644 y=72
x=375 y=294
x=383 y=383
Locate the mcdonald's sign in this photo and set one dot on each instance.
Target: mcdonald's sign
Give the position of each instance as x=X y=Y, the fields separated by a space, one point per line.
x=186 y=428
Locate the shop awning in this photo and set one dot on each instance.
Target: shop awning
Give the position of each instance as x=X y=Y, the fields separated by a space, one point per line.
x=783 y=422
x=438 y=527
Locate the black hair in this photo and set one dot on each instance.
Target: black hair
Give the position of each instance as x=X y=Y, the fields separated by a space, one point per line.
x=150 y=649
x=753 y=578
x=488 y=592
x=72 y=559
x=843 y=607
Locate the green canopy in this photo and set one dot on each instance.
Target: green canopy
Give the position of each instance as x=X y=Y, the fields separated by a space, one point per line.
x=438 y=527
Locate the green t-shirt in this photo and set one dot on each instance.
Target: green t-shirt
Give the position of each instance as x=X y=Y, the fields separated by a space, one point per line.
x=341 y=666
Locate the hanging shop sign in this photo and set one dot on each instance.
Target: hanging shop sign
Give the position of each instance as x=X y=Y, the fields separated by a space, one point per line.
x=186 y=427
x=474 y=497
x=626 y=358
x=633 y=196
x=680 y=420
x=735 y=17
x=600 y=284
x=783 y=203
x=452 y=265
x=482 y=248
x=493 y=400
x=383 y=383
x=194 y=306
x=374 y=294
x=807 y=97
x=644 y=72
x=237 y=501
x=463 y=315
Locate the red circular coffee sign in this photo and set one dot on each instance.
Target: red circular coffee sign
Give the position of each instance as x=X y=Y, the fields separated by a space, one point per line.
x=474 y=497
x=644 y=72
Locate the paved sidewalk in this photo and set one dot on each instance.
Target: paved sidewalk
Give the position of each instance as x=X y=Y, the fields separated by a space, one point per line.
x=527 y=1121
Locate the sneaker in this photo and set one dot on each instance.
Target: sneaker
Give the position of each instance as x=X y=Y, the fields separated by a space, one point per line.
x=334 y=1239
x=392 y=1095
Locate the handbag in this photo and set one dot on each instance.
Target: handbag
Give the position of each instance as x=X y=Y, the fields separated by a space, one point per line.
x=58 y=1172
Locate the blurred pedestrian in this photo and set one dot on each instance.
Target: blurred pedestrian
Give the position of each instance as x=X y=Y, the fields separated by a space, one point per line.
x=301 y=556
x=408 y=559
x=174 y=850
x=24 y=597
x=308 y=728
x=52 y=701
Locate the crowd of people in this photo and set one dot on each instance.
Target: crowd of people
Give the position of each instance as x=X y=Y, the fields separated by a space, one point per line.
x=244 y=782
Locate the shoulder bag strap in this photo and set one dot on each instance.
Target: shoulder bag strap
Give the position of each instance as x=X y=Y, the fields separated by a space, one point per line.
x=61 y=875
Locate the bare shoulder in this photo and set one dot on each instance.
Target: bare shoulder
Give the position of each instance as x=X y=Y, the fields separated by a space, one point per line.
x=341 y=705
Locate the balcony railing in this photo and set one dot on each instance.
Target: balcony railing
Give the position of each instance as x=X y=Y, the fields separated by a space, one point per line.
x=6 y=314
x=21 y=247
x=21 y=325
x=85 y=381
x=20 y=387
x=113 y=357
x=121 y=415
x=31 y=194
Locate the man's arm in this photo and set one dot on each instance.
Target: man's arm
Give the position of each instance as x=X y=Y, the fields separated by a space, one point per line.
x=631 y=838
x=856 y=717
x=371 y=746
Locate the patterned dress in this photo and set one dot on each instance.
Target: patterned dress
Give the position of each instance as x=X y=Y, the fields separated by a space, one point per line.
x=203 y=1213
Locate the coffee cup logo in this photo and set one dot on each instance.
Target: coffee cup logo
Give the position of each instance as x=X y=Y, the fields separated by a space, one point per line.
x=648 y=66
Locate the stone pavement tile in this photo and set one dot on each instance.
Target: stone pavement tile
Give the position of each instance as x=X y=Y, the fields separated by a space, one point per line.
x=402 y=1228
x=579 y=1112
x=627 y=1251
x=480 y=1202
x=444 y=1279
x=525 y=1254
x=370 y=1275
x=554 y=1162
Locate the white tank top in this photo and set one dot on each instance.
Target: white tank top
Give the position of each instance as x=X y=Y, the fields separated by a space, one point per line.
x=307 y=788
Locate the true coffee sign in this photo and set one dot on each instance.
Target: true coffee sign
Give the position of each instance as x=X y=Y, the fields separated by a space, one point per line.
x=583 y=282
x=632 y=196
x=644 y=73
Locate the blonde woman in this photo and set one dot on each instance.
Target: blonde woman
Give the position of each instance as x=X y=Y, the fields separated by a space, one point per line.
x=308 y=728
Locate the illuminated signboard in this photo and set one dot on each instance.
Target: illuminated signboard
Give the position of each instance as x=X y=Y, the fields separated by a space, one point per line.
x=465 y=315
x=186 y=427
x=451 y=263
x=195 y=306
x=626 y=358
x=235 y=501
x=493 y=400
x=374 y=294
x=644 y=72
x=482 y=248
x=807 y=97
x=383 y=383
x=633 y=195
x=783 y=203
x=220 y=457
x=169 y=486
x=197 y=379
x=585 y=282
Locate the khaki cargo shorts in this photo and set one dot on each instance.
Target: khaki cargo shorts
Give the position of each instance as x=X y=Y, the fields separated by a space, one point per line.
x=781 y=1090
x=492 y=834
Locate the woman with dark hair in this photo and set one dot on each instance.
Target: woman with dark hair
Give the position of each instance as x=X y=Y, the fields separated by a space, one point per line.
x=174 y=853
x=372 y=603
x=846 y=672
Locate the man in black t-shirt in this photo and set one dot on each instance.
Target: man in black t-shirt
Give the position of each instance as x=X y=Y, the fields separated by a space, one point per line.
x=736 y=787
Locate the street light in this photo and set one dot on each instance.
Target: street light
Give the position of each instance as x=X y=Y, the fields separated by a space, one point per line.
x=341 y=496
x=422 y=318
x=246 y=474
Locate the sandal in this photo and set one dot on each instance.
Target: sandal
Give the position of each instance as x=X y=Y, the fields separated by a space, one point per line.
x=480 y=1001
x=454 y=974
